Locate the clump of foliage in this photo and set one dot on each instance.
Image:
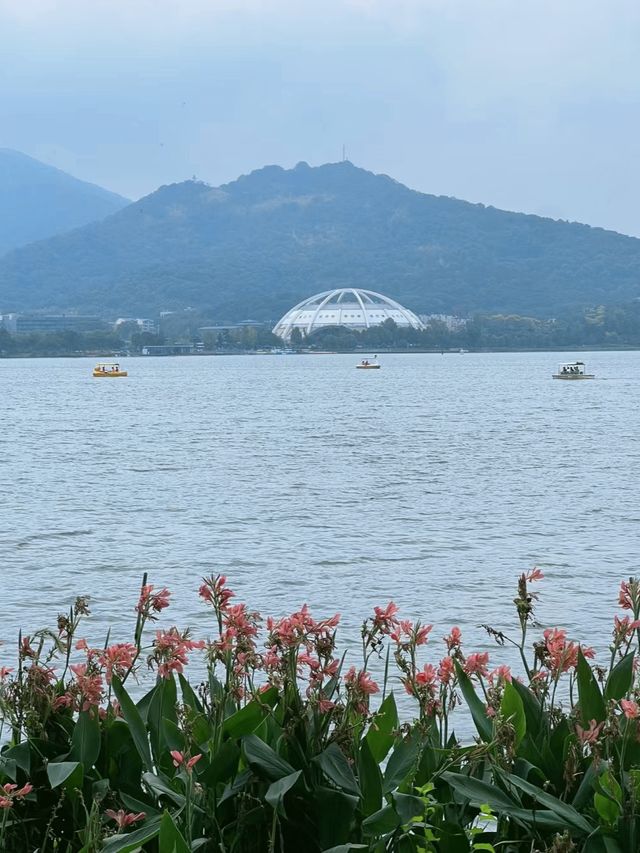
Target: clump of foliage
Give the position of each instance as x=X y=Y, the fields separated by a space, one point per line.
x=283 y=747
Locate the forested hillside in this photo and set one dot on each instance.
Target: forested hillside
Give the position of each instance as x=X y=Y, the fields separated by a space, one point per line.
x=254 y=247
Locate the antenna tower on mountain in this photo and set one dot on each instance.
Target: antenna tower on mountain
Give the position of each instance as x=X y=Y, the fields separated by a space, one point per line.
x=344 y=153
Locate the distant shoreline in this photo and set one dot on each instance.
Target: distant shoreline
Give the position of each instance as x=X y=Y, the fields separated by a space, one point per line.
x=356 y=353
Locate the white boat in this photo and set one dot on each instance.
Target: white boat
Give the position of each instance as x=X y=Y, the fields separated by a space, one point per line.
x=365 y=364
x=573 y=370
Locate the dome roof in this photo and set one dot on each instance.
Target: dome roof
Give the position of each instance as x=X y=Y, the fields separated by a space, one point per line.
x=355 y=309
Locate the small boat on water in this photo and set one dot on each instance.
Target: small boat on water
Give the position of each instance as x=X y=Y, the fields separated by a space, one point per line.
x=365 y=364
x=573 y=370
x=108 y=368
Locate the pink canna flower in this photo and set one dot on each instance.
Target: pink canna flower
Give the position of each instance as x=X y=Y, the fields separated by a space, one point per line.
x=385 y=618
x=501 y=673
x=454 y=639
x=11 y=792
x=214 y=592
x=476 y=664
x=5 y=671
x=631 y=709
x=170 y=651
x=180 y=760
x=534 y=575
x=152 y=602
x=589 y=736
x=446 y=670
x=427 y=676
x=117 y=658
x=123 y=818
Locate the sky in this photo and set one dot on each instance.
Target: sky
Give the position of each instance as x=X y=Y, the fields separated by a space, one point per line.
x=528 y=105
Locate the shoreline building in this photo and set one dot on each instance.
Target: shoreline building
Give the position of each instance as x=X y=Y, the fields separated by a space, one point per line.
x=349 y=307
x=24 y=324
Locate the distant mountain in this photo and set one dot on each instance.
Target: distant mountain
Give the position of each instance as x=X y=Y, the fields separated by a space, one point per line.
x=254 y=247
x=38 y=201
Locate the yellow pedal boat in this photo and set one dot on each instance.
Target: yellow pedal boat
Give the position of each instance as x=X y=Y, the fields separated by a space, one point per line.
x=108 y=368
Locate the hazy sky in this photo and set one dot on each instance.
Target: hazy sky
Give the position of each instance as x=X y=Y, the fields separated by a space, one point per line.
x=529 y=105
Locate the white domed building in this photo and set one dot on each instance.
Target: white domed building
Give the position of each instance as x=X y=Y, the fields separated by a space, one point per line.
x=348 y=307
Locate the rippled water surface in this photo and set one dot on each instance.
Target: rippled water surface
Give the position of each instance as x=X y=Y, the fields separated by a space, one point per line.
x=433 y=482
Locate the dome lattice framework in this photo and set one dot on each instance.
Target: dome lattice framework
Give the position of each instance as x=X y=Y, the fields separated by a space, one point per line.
x=353 y=308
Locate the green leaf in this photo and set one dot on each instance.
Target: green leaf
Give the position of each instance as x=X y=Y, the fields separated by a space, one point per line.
x=134 y=721
x=479 y=792
x=162 y=707
x=170 y=839
x=188 y=695
x=379 y=736
x=264 y=760
x=335 y=811
x=402 y=761
x=591 y=702
x=370 y=780
x=531 y=705
x=277 y=790
x=336 y=767
x=223 y=765
x=620 y=679
x=512 y=709
x=21 y=754
x=8 y=769
x=85 y=743
x=408 y=807
x=162 y=788
x=564 y=811
x=65 y=771
x=247 y=719
x=476 y=706
x=381 y=822
x=607 y=810
x=345 y=848
x=132 y=841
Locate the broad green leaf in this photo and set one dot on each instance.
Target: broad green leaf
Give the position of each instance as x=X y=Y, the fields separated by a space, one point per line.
x=335 y=810
x=85 y=743
x=402 y=761
x=264 y=760
x=476 y=706
x=162 y=707
x=8 y=769
x=479 y=792
x=188 y=695
x=370 y=780
x=336 y=767
x=247 y=719
x=222 y=766
x=531 y=705
x=591 y=702
x=607 y=810
x=381 y=822
x=134 y=721
x=385 y=721
x=512 y=709
x=21 y=754
x=345 y=848
x=408 y=807
x=170 y=839
x=65 y=771
x=620 y=679
x=277 y=790
x=565 y=811
x=132 y=841
x=162 y=788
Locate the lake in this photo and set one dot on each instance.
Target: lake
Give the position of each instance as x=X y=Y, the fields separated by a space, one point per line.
x=433 y=482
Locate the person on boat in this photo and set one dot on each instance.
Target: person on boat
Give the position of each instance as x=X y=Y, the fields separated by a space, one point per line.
x=365 y=362
x=564 y=369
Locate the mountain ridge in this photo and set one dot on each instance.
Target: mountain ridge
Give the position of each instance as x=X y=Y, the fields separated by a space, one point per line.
x=256 y=245
x=38 y=201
